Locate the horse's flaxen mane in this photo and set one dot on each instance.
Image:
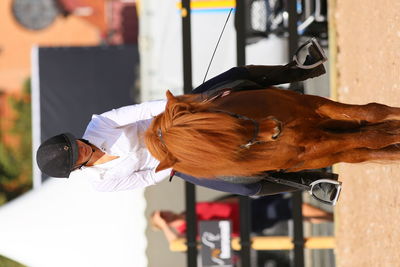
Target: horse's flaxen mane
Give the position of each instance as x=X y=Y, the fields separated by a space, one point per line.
x=188 y=129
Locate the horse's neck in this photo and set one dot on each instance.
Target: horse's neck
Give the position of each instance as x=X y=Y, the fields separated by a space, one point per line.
x=197 y=102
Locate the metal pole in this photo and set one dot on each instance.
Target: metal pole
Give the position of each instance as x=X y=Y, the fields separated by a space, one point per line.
x=297 y=201
x=191 y=224
x=244 y=202
x=293 y=36
x=187 y=47
x=190 y=191
x=240 y=25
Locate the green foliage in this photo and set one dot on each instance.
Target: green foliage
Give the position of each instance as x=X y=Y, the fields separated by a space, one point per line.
x=23 y=129
x=5 y=262
x=8 y=162
x=16 y=162
x=3 y=199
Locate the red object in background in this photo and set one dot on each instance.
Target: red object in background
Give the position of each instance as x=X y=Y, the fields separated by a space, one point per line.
x=93 y=11
x=124 y=23
x=206 y=211
x=69 y=5
x=117 y=21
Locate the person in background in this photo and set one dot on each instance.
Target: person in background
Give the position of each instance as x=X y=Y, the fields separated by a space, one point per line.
x=265 y=213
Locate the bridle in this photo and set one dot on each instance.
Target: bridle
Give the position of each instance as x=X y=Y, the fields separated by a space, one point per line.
x=256 y=124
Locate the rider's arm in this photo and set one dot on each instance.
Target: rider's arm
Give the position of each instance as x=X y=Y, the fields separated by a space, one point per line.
x=139 y=179
x=130 y=114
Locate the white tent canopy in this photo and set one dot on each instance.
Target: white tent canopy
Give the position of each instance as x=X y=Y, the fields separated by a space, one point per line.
x=67 y=223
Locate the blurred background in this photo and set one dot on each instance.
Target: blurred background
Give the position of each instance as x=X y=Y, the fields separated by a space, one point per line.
x=62 y=61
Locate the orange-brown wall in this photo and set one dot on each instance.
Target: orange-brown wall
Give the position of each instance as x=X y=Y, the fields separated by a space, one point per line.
x=16 y=43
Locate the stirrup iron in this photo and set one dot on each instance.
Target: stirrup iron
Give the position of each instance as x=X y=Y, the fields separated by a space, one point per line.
x=326 y=191
x=309 y=55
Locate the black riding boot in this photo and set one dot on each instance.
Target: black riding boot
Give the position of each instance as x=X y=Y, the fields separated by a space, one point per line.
x=307 y=63
x=303 y=177
x=269 y=188
x=274 y=75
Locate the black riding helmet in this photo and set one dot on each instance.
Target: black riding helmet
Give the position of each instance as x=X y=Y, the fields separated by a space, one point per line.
x=56 y=157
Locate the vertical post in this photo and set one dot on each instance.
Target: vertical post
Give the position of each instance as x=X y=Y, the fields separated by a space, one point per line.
x=191 y=224
x=190 y=191
x=186 y=46
x=245 y=223
x=244 y=202
x=293 y=35
x=298 y=235
x=240 y=25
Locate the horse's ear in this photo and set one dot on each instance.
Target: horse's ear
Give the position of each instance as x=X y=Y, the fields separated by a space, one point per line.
x=166 y=163
x=170 y=96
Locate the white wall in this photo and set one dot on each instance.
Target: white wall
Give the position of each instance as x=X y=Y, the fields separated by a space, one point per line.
x=66 y=223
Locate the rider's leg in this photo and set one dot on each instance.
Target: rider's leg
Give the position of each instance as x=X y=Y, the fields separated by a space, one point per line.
x=262 y=75
x=244 y=189
x=236 y=73
x=281 y=74
x=269 y=188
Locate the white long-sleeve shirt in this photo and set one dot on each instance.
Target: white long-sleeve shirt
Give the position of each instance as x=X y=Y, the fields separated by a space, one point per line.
x=120 y=132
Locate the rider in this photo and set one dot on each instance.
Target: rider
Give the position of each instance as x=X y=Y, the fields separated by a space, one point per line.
x=112 y=154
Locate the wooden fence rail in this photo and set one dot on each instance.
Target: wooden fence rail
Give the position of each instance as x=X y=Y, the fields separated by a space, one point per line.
x=268 y=243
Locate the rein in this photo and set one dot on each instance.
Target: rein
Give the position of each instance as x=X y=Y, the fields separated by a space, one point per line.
x=251 y=142
x=256 y=124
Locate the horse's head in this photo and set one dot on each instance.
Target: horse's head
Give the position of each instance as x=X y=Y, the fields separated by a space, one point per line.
x=159 y=133
x=182 y=136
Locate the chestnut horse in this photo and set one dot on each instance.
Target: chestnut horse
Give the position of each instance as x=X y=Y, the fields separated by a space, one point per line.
x=245 y=133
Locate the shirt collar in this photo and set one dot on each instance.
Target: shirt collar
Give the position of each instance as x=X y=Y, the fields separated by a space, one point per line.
x=97 y=141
